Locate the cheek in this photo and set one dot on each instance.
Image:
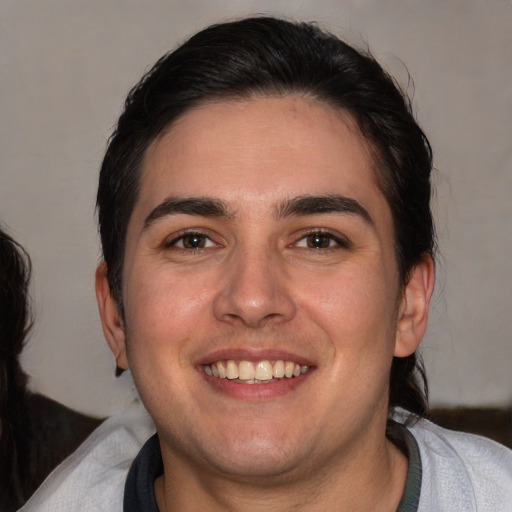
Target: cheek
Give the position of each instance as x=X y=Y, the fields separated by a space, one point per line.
x=163 y=312
x=159 y=298
x=163 y=315
x=356 y=311
x=355 y=300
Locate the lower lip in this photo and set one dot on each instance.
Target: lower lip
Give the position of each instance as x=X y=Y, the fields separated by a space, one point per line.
x=266 y=391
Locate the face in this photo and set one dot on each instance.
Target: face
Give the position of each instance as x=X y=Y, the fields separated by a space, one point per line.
x=260 y=288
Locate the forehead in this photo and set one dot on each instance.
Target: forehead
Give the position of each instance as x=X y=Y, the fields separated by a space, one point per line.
x=258 y=150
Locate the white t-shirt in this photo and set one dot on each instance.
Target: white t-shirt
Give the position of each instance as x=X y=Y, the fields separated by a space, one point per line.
x=92 y=478
x=460 y=472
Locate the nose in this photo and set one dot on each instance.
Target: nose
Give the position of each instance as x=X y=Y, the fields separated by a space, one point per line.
x=254 y=291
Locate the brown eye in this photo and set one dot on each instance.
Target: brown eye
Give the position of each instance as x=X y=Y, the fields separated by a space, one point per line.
x=319 y=241
x=322 y=240
x=192 y=241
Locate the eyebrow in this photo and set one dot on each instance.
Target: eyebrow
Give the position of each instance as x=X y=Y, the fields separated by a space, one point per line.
x=333 y=203
x=297 y=206
x=203 y=206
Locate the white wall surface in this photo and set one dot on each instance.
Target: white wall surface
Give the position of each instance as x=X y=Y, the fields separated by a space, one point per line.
x=65 y=68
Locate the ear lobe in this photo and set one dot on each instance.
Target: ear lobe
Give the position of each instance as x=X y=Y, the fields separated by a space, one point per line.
x=111 y=319
x=413 y=311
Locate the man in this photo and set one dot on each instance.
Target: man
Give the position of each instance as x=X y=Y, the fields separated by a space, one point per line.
x=268 y=245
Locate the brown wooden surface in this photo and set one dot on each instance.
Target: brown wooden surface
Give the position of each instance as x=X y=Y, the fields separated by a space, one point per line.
x=489 y=422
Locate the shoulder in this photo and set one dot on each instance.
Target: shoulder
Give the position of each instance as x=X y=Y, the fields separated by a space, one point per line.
x=93 y=477
x=470 y=472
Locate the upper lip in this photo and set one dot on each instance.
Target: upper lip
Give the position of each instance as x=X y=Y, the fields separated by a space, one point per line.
x=253 y=355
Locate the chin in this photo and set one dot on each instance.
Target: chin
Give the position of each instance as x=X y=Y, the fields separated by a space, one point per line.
x=262 y=467
x=258 y=454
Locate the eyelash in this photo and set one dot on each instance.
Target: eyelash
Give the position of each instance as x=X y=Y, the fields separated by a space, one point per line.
x=189 y=234
x=340 y=242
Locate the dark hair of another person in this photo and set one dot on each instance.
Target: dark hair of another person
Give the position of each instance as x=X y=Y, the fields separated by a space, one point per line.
x=15 y=322
x=36 y=432
x=265 y=56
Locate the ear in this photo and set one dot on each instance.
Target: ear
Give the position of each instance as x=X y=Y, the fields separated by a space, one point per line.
x=413 y=309
x=111 y=319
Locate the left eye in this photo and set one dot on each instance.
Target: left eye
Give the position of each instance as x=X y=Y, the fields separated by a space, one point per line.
x=192 y=241
x=319 y=241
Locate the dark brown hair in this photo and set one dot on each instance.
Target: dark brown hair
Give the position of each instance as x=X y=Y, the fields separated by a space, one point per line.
x=15 y=322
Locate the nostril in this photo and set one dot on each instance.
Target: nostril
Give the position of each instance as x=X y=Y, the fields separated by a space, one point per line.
x=254 y=313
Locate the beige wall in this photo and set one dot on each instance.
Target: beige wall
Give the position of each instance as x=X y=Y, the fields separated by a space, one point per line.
x=65 y=68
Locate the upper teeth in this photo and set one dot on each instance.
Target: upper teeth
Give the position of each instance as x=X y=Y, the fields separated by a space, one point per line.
x=254 y=371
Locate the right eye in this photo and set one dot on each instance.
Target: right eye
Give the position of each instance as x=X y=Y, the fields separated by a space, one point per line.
x=192 y=241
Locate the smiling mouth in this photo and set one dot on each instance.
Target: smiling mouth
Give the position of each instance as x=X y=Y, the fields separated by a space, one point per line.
x=261 y=372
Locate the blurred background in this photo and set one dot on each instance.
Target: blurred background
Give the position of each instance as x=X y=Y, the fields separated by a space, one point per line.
x=65 y=69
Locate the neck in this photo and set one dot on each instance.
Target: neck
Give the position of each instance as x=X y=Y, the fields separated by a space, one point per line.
x=370 y=477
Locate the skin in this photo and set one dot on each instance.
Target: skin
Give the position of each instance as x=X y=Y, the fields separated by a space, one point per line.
x=259 y=288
